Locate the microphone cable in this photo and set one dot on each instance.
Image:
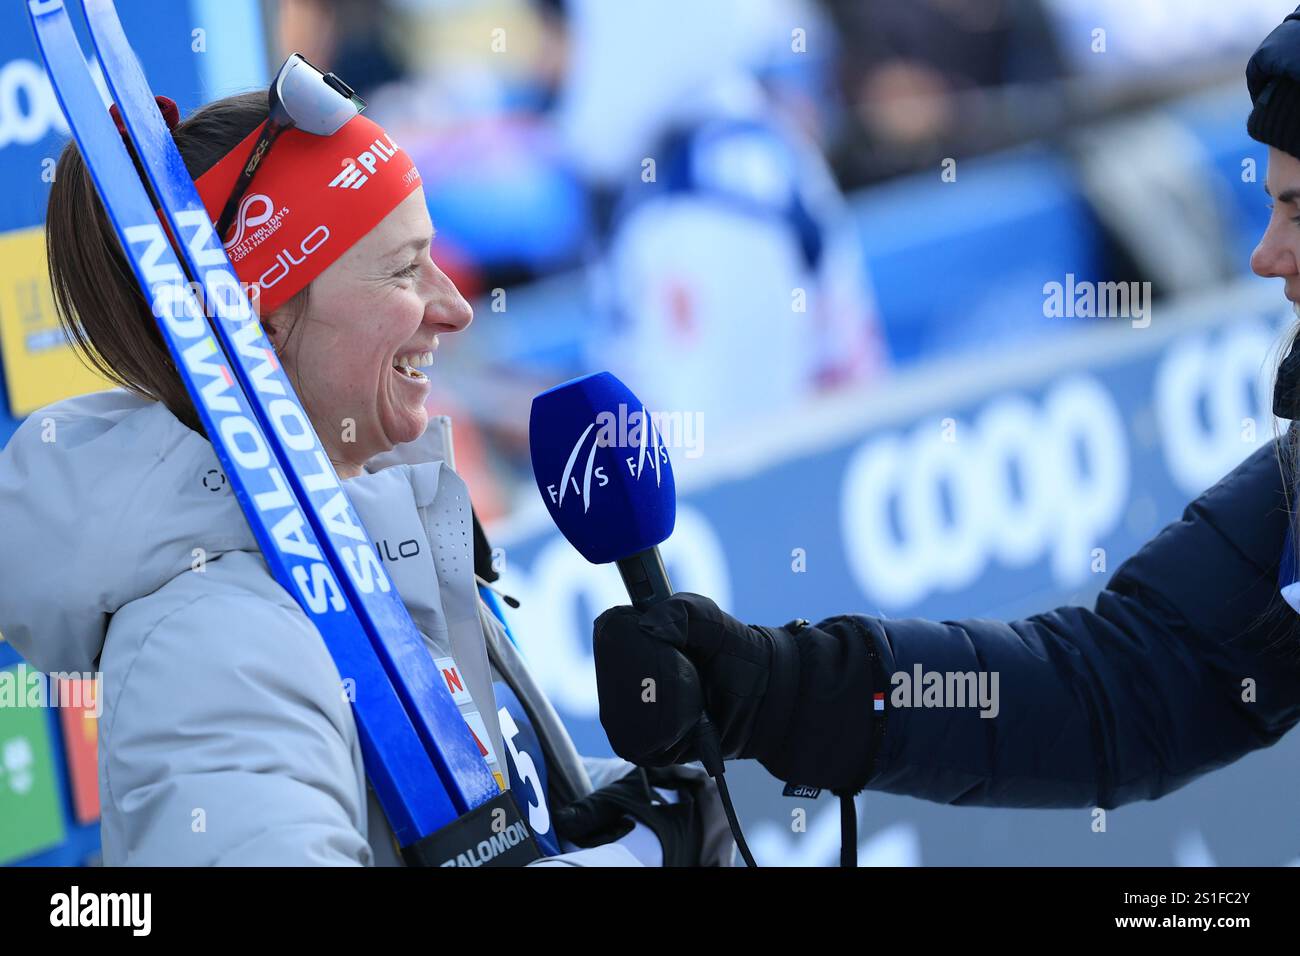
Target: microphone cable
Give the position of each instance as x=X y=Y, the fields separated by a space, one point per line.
x=710 y=750
x=848 y=830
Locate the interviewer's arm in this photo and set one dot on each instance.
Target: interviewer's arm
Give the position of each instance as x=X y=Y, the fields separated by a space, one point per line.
x=1095 y=707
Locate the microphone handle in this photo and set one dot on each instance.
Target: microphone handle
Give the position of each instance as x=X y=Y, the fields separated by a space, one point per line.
x=645 y=578
x=647 y=584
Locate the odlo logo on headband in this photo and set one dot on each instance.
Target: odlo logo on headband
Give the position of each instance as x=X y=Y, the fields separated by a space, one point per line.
x=352 y=177
x=285 y=260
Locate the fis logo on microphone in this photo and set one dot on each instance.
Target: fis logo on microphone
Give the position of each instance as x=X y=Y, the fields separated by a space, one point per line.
x=635 y=432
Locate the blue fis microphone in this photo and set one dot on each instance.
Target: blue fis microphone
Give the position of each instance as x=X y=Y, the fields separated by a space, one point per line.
x=604 y=475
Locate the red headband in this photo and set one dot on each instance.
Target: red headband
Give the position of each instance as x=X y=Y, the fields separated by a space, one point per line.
x=312 y=199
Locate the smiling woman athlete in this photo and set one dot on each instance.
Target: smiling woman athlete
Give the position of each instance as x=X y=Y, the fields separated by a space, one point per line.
x=225 y=738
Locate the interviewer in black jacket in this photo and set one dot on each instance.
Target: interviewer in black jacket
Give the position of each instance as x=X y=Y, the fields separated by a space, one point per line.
x=1189 y=660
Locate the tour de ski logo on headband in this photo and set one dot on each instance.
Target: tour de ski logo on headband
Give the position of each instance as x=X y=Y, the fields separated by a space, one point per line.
x=257 y=221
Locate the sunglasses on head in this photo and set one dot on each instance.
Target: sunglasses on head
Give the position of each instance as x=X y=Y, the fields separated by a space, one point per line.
x=301 y=97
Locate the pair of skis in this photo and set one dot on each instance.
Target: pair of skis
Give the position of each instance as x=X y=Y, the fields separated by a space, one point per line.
x=425 y=765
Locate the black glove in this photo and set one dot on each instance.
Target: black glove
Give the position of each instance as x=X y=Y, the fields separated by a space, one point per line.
x=603 y=816
x=797 y=698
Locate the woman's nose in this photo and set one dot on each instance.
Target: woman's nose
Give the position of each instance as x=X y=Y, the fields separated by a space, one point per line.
x=1272 y=258
x=447 y=308
x=456 y=314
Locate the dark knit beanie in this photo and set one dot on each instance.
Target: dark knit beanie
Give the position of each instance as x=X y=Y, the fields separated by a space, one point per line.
x=1273 y=77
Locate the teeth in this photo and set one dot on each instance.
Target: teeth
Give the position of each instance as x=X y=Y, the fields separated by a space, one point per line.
x=411 y=372
x=409 y=364
x=414 y=360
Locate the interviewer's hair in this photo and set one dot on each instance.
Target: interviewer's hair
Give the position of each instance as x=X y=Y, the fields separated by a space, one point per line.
x=100 y=306
x=1280 y=620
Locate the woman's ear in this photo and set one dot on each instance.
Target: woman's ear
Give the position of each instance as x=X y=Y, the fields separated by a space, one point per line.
x=273 y=325
x=277 y=326
x=280 y=323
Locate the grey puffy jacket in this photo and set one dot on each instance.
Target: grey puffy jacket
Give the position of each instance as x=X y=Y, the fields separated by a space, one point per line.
x=224 y=738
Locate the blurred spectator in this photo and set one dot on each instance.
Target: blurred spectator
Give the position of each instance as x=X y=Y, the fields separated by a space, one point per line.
x=728 y=278
x=633 y=64
x=928 y=79
x=471 y=108
x=347 y=37
x=733 y=282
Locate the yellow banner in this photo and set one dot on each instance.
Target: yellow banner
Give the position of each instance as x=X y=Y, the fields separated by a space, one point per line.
x=39 y=364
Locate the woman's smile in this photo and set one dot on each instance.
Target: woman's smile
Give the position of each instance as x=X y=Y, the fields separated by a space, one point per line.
x=409 y=364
